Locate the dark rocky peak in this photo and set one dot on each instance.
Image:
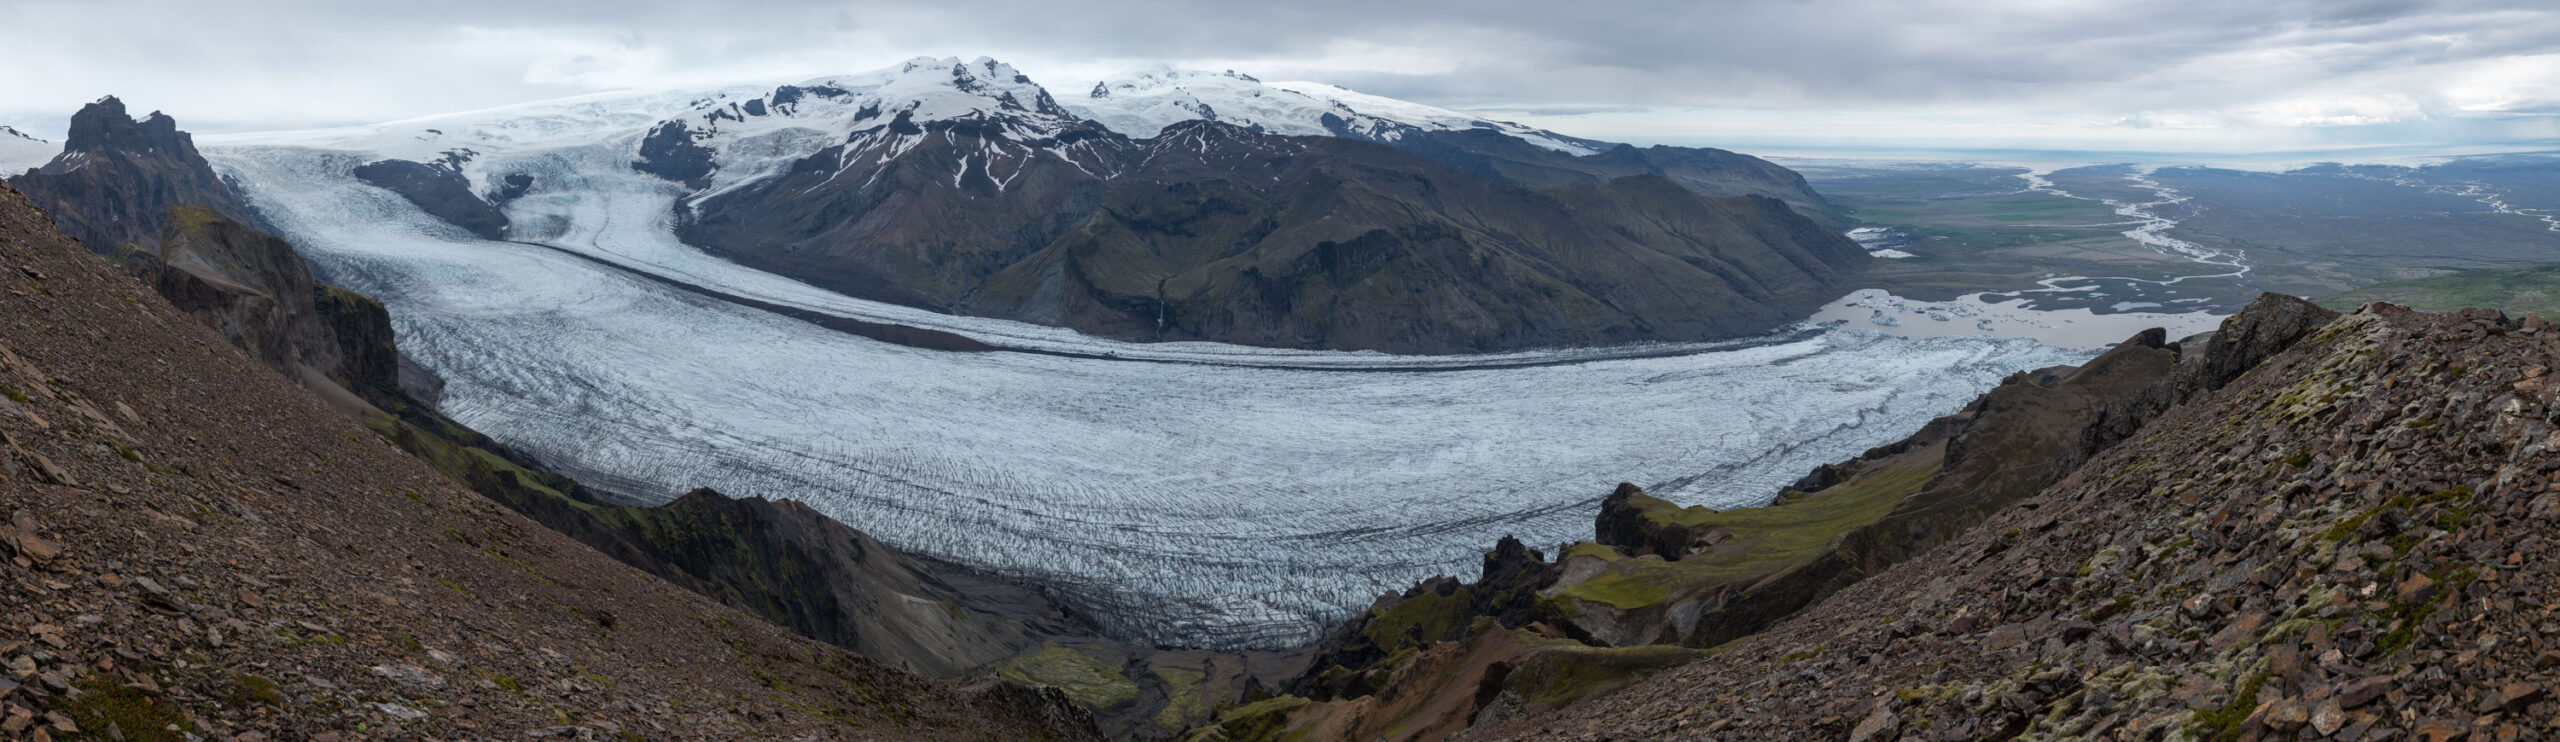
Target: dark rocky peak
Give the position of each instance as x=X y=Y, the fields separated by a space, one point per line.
x=104 y=126
x=1205 y=128
x=1100 y=90
x=672 y=151
x=996 y=81
x=117 y=179
x=1206 y=137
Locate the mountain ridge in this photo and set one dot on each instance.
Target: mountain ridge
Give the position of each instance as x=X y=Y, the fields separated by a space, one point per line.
x=1006 y=242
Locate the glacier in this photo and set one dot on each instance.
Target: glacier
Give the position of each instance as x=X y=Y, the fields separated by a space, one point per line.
x=1187 y=494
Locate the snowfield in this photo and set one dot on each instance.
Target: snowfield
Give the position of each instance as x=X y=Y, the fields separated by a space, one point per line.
x=1196 y=494
x=1142 y=103
x=20 y=153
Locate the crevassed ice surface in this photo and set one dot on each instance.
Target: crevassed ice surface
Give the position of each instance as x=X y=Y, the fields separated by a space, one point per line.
x=1211 y=496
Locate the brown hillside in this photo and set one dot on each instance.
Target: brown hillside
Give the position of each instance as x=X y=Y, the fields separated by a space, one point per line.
x=193 y=541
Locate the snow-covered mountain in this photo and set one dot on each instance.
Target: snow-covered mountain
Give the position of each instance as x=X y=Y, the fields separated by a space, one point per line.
x=873 y=117
x=716 y=140
x=1141 y=103
x=19 y=152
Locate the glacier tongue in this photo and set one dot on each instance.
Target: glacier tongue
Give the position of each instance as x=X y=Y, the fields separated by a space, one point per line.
x=1195 y=494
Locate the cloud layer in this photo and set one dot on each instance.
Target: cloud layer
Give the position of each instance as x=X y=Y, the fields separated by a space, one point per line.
x=2176 y=74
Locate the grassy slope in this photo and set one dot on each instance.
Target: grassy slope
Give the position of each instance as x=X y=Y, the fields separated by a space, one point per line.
x=1766 y=539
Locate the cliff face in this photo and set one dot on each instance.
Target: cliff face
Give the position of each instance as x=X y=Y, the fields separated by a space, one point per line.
x=781 y=560
x=252 y=288
x=194 y=542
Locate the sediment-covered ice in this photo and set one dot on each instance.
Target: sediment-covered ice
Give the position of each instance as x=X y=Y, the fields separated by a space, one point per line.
x=1194 y=493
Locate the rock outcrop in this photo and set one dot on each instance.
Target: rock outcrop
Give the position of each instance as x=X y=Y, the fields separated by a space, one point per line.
x=252 y=288
x=117 y=178
x=795 y=567
x=138 y=191
x=439 y=189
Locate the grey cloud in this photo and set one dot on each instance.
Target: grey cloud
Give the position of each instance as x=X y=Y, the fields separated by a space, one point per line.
x=255 y=65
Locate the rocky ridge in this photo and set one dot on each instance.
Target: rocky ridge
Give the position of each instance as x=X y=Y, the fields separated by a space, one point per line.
x=194 y=543
x=2348 y=541
x=1144 y=103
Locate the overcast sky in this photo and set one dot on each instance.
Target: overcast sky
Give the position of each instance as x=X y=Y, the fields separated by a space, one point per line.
x=2180 y=75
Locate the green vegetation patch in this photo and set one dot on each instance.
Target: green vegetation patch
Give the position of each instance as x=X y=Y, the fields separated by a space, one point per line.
x=1769 y=539
x=1561 y=673
x=1421 y=620
x=2225 y=724
x=2346 y=528
x=1193 y=694
x=250 y=690
x=1085 y=676
x=1266 y=719
x=194 y=219
x=2407 y=617
x=136 y=714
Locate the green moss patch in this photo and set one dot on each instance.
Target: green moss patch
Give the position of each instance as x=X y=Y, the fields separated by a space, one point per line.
x=2348 y=527
x=1562 y=673
x=1087 y=677
x=250 y=690
x=138 y=715
x=1261 y=720
x=1421 y=620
